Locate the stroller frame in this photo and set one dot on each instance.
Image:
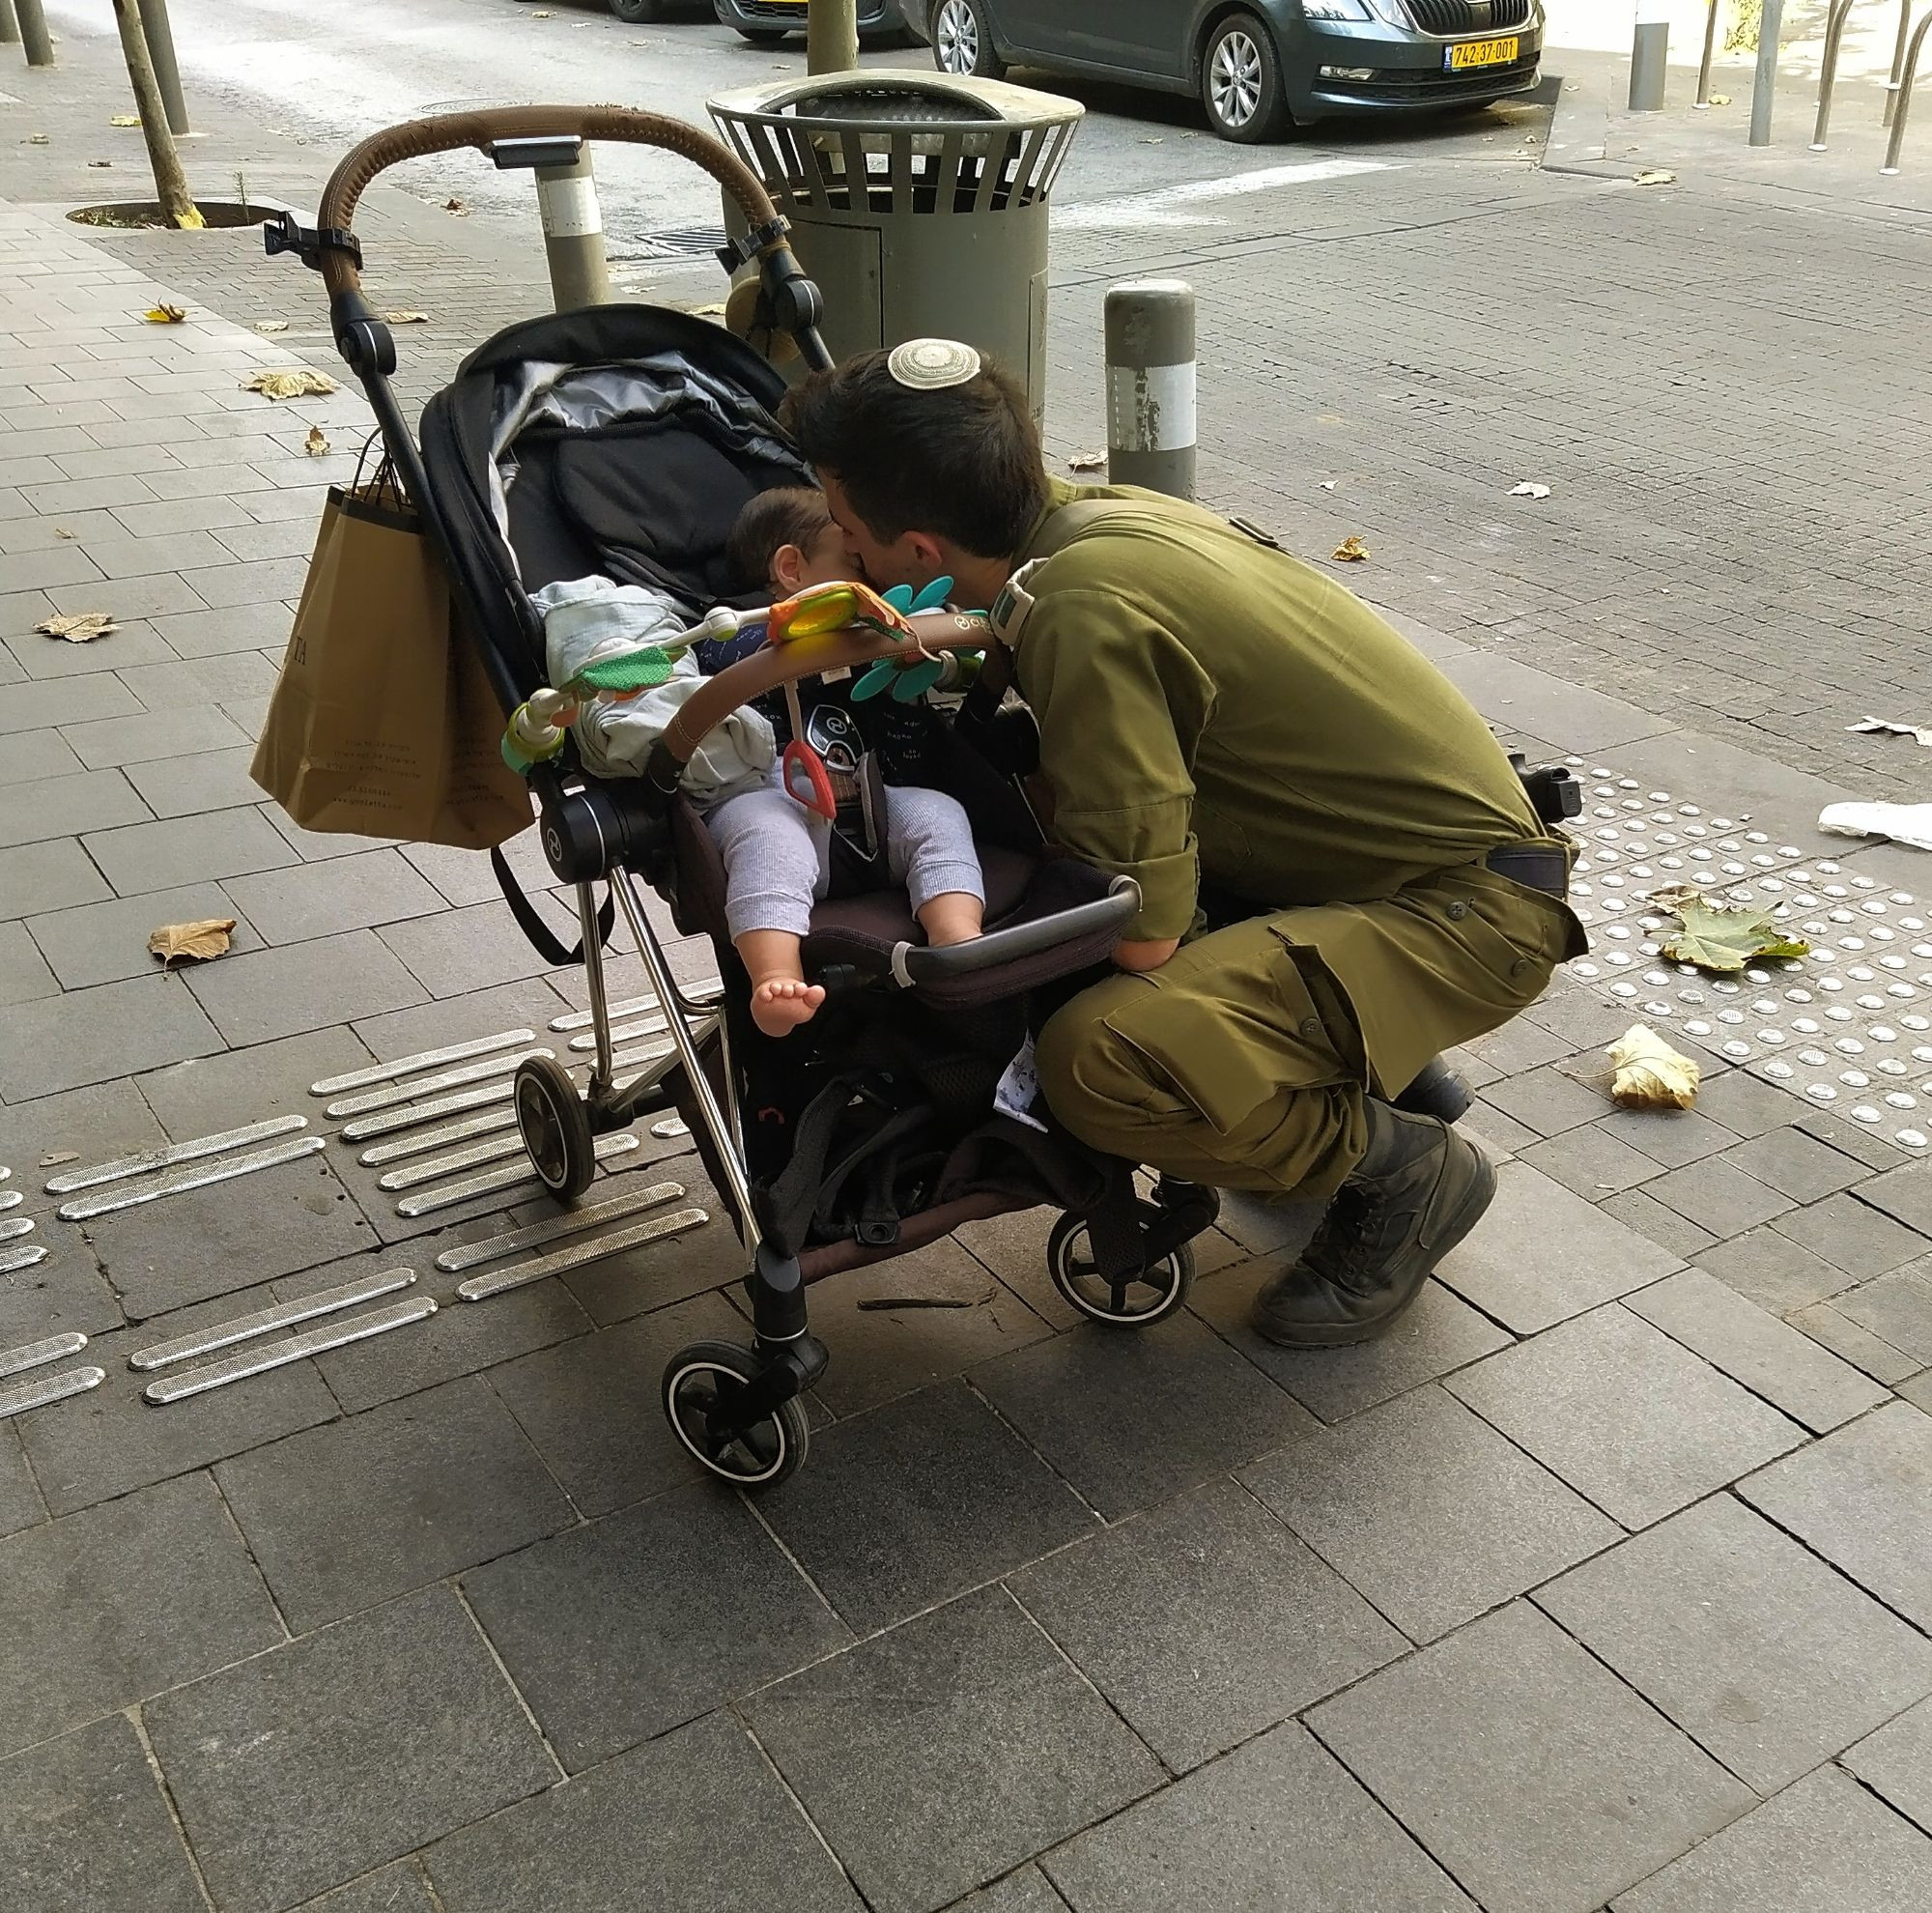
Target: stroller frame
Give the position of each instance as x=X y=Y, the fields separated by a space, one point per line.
x=737 y=1411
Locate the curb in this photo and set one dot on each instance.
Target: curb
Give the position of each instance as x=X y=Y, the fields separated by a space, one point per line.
x=1578 y=139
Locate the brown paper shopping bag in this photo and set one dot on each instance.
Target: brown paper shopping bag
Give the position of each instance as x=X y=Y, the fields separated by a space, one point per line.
x=383 y=723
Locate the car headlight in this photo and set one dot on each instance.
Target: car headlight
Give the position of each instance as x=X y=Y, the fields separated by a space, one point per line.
x=1334 y=9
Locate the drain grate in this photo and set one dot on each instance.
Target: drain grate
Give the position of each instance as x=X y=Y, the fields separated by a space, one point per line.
x=674 y=242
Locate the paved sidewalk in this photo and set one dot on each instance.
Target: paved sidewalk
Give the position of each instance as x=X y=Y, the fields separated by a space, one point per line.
x=1606 y=1581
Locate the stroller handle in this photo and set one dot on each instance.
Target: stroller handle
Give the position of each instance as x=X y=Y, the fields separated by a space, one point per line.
x=450 y=132
x=915 y=963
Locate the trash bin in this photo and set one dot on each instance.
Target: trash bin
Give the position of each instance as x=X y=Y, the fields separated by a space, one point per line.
x=918 y=202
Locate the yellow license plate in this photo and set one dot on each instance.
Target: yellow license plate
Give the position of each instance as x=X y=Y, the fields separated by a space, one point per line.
x=1481 y=53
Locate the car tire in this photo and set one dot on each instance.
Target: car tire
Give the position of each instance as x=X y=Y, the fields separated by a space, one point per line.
x=638 y=12
x=962 y=41
x=1240 y=82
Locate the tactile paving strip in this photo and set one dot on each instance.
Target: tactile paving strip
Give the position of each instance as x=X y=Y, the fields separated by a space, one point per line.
x=1848 y=1027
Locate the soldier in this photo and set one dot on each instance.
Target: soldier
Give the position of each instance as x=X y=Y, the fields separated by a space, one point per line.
x=1225 y=723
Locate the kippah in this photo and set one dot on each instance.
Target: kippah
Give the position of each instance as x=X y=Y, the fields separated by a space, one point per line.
x=929 y=365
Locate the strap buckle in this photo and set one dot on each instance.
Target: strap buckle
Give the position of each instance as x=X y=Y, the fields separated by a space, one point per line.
x=285 y=233
x=736 y=252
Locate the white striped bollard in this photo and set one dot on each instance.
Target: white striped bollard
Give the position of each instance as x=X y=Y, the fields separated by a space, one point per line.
x=1150 y=415
x=573 y=227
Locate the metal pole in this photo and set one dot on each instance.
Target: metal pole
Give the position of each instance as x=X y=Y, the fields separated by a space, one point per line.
x=9 y=24
x=1650 y=56
x=573 y=234
x=1765 y=85
x=167 y=71
x=1702 y=103
x=1906 y=78
x=1897 y=78
x=1828 y=68
x=34 y=31
x=1151 y=430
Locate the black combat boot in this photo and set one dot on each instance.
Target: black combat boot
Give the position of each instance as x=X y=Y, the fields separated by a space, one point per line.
x=1419 y=1189
x=1436 y=1090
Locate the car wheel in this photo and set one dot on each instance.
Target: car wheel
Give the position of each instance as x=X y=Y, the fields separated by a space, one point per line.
x=1240 y=82
x=962 y=41
x=638 y=12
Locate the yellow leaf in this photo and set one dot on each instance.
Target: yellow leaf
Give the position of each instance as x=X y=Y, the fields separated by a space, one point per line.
x=1649 y=1073
x=202 y=941
x=1352 y=551
x=79 y=627
x=288 y=384
x=124 y=120
x=189 y=221
x=164 y=315
x=407 y=317
x=315 y=445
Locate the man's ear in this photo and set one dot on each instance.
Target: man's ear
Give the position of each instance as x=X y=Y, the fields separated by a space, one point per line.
x=926 y=552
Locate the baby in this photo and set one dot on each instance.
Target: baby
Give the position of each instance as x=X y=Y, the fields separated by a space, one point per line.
x=776 y=852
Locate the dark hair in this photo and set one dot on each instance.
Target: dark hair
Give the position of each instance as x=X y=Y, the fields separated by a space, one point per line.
x=790 y=515
x=963 y=461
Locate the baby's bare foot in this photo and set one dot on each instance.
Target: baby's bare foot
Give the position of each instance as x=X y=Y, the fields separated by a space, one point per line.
x=781 y=1006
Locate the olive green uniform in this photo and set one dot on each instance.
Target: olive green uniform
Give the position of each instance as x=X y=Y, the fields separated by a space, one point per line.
x=1214 y=712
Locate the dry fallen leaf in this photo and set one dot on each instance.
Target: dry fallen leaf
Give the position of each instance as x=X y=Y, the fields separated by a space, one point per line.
x=1529 y=491
x=1087 y=461
x=56 y=1158
x=79 y=627
x=202 y=941
x=1649 y=1073
x=60 y=532
x=102 y=164
x=124 y=120
x=1721 y=99
x=316 y=445
x=288 y=384
x=189 y=221
x=455 y=206
x=268 y=327
x=707 y=313
x=1352 y=551
x=164 y=315
x=37 y=139
x=1655 y=176
x=407 y=317
x=1891 y=727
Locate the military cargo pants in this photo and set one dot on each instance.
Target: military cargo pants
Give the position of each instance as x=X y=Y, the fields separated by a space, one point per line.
x=1244 y=1061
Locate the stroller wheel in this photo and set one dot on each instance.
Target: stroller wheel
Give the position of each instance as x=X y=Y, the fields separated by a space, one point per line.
x=697 y=1380
x=555 y=1124
x=1135 y=1302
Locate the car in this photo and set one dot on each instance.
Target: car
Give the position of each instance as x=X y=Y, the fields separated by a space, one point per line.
x=766 y=22
x=1260 y=66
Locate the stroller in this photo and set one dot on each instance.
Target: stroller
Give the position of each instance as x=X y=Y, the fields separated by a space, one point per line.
x=623 y=440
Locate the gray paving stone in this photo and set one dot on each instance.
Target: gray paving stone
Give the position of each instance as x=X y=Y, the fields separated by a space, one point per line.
x=24 y=975
x=590 y=1405
x=169 y=1591
x=321 y=899
x=33 y=755
x=463 y=949
x=708 y=1606
x=90 y=1036
x=189 y=684
x=1904 y=1194
x=1439 y=1332
x=660 y=1273
x=100 y=943
x=397 y=1889
x=65 y=805
x=87 y=1830
x=696 y=1823
x=1897 y=1762
x=1718 y=1196
x=231 y=1235
x=1664 y=1227
x=1008 y=1751
x=1429 y=1511
x=46 y=659
x=431 y=1025
x=1543 y=1253
x=1204 y=1621
x=302 y=987
x=1863 y=1499
x=208 y=1094
x=1531 y=1773
x=1857 y=1238
x=1746 y=1106
x=20 y=1502
x=1025 y=1891
x=1547 y=1101
x=63 y=564
x=1824 y=1843
x=1591 y=1163
x=455 y=1483
x=912 y=1502
x=142 y=858
x=62 y=1294
x=144 y=598
x=1853 y=1139
x=102 y=1121
x=1799 y=1165
x=209 y=781
x=1897 y=1308
x=1132 y=1420
x=1752 y=1346
x=373 y=1738
x=265 y=581
x=1622 y=1413
x=207 y=633
x=139 y=557
x=1751 y=1644
x=1773 y=1270
x=47 y=877
x=1277 y=1824
x=1859 y=1346
x=65 y=701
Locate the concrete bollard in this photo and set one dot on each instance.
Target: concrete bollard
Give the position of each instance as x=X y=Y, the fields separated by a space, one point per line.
x=1765 y=83
x=573 y=234
x=1650 y=55
x=1150 y=386
x=10 y=25
x=34 y=31
x=154 y=23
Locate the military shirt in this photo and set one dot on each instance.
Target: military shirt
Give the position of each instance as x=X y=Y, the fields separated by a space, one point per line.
x=1213 y=709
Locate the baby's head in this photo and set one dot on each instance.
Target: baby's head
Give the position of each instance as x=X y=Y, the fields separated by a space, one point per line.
x=787 y=539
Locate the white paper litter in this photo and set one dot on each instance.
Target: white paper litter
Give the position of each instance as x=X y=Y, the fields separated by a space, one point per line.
x=1888 y=727
x=1019 y=1089
x=1902 y=823
x=1529 y=491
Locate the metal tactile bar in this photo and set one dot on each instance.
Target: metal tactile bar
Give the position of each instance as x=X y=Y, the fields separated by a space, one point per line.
x=282 y=1315
x=19 y=1225
x=265 y=1355
x=149 y=1161
x=25 y=1395
x=13 y=1260
x=34 y=1355
x=573 y=1222
x=514 y=1175
x=1848 y=1025
x=426 y=1059
x=660 y=1228
x=373 y=1100
x=224 y=1169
